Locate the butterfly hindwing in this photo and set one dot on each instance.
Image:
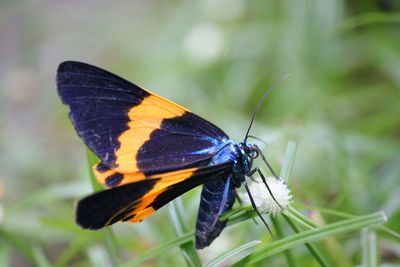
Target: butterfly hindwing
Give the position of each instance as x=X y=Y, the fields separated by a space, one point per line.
x=135 y=201
x=134 y=132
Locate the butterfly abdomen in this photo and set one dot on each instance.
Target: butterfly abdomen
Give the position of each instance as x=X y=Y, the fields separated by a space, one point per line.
x=209 y=226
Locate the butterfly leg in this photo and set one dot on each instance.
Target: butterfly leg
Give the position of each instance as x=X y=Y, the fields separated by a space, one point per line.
x=238 y=198
x=256 y=169
x=223 y=201
x=241 y=204
x=255 y=207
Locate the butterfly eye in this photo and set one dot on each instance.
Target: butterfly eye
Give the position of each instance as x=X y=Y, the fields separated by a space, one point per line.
x=254 y=154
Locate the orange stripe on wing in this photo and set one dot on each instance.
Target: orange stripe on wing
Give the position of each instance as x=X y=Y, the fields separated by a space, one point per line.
x=144 y=119
x=142 y=207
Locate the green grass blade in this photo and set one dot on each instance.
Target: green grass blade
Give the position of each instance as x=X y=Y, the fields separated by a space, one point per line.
x=234 y=213
x=389 y=231
x=279 y=233
x=369 y=251
x=315 y=234
x=311 y=248
x=40 y=258
x=347 y=215
x=188 y=237
x=236 y=252
x=327 y=211
x=288 y=161
x=181 y=227
x=294 y=213
x=365 y=19
x=17 y=243
x=243 y=216
x=109 y=239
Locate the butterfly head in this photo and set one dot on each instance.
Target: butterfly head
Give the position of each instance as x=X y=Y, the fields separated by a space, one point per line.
x=251 y=151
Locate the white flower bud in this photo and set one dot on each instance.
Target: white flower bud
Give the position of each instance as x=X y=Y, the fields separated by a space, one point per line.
x=263 y=199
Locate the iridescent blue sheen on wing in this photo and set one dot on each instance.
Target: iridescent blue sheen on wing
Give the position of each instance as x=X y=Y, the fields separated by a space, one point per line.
x=181 y=142
x=208 y=225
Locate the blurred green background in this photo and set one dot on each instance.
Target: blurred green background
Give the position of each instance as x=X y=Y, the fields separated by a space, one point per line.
x=340 y=105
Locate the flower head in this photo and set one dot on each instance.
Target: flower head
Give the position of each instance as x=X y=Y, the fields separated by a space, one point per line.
x=263 y=199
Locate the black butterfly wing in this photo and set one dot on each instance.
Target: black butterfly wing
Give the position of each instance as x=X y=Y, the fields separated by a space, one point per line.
x=134 y=132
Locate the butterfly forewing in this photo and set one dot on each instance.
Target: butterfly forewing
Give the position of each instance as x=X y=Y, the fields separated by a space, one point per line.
x=130 y=129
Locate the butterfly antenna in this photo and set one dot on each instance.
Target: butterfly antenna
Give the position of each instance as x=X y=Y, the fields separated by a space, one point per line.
x=258 y=138
x=270 y=89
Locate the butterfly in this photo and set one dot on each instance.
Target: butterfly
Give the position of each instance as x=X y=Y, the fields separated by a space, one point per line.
x=151 y=151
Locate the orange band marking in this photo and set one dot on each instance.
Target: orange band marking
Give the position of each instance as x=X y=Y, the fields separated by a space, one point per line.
x=144 y=119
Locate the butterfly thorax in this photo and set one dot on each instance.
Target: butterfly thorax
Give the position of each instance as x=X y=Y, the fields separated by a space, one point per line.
x=234 y=152
x=248 y=152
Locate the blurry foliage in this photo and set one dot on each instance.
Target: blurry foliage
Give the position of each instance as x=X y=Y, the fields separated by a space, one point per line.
x=341 y=105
